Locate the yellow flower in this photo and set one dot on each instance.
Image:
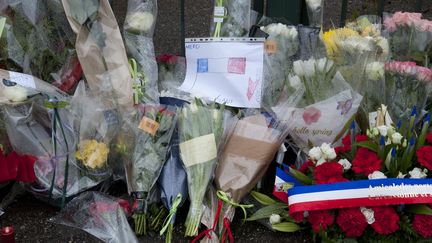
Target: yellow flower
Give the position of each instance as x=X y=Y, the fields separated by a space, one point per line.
x=332 y=38
x=92 y=153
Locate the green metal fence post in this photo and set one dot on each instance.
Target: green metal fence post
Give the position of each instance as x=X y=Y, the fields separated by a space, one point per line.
x=344 y=10
x=380 y=7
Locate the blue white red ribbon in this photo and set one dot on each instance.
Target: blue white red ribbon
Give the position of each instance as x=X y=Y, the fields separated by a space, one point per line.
x=365 y=193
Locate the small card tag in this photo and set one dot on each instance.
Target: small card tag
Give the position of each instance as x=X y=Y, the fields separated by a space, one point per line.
x=148 y=125
x=270 y=46
x=22 y=79
x=219 y=14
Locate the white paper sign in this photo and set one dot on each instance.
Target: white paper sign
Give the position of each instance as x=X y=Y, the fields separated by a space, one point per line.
x=226 y=71
x=22 y=79
x=323 y=121
x=198 y=150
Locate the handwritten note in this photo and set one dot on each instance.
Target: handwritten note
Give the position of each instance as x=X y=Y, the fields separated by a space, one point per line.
x=225 y=70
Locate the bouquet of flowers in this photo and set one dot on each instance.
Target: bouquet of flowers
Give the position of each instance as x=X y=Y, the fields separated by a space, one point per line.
x=100 y=49
x=407 y=85
x=245 y=159
x=281 y=45
x=231 y=18
x=327 y=106
x=315 y=10
x=138 y=35
x=410 y=37
x=152 y=128
x=38 y=40
x=201 y=133
x=99 y=215
x=372 y=186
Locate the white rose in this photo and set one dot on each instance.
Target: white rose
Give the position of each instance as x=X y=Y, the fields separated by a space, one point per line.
x=298 y=68
x=383 y=130
x=376 y=175
x=328 y=152
x=345 y=164
x=369 y=214
x=397 y=138
x=275 y=219
x=141 y=21
x=315 y=153
x=15 y=93
x=417 y=173
x=400 y=175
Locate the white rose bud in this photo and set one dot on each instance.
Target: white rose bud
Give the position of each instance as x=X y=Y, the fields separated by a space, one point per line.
x=315 y=154
x=376 y=175
x=275 y=219
x=418 y=173
x=321 y=161
x=15 y=93
x=400 y=175
x=369 y=215
x=345 y=164
x=328 y=152
x=397 y=138
x=140 y=21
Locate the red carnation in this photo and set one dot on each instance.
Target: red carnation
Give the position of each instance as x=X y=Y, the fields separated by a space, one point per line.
x=366 y=162
x=429 y=138
x=297 y=216
x=352 y=222
x=386 y=220
x=422 y=224
x=305 y=166
x=346 y=143
x=329 y=172
x=320 y=220
x=424 y=156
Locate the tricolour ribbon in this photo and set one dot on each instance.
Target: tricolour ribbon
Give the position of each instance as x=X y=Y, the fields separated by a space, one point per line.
x=364 y=193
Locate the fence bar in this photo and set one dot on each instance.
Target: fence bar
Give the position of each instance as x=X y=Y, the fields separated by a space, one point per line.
x=343 y=12
x=182 y=27
x=380 y=7
x=418 y=5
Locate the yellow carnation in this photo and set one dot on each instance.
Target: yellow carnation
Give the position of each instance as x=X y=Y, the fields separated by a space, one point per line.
x=92 y=153
x=333 y=37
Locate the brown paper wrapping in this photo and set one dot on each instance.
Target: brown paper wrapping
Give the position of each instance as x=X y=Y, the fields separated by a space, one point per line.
x=246 y=157
x=107 y=64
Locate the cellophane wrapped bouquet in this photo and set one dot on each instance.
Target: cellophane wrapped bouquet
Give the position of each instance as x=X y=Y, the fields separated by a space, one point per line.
x=407 y=85
x=201 y=134
x=38 y=40
x=327 y=102
x=150 y=128
x=138 y=32
x=232 y=18
x=410 y=37
x=281 y=45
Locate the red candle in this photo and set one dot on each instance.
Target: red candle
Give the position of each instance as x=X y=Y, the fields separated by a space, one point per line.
x=7 y=235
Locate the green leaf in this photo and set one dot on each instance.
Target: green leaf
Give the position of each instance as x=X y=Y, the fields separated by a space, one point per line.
x=287 y=227
x=369 y=145
x=267 y=211
x=263 y=199
x=419 y=209
x=310 y=144
x=300 y=176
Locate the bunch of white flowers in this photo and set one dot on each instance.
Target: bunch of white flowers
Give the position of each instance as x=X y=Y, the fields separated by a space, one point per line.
x=286 y=31
x=375 y=70
x=140 y=21
x=15 y=93
x=322 y=154
x=311 y=67
x=418 y=173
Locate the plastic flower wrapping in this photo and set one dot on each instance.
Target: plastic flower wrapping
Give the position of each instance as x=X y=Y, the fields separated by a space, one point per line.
x=138 y=32
x=315 y=10
x=202 y=133
x=38 y=40
x=281 y=46
x=232 y=18
x=151 y=128
x=409 y=36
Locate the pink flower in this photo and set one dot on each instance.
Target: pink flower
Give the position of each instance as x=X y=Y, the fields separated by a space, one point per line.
x=424 y=74
x=311 y=115
x=409 y=68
